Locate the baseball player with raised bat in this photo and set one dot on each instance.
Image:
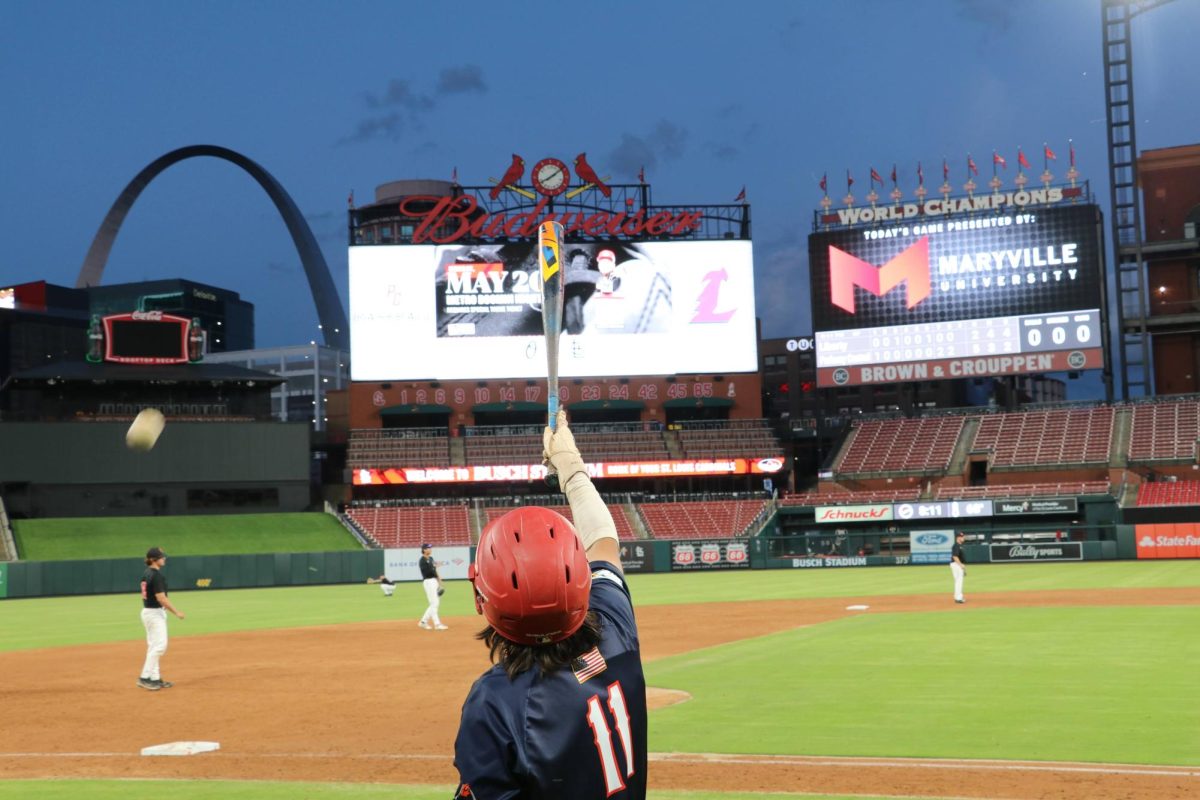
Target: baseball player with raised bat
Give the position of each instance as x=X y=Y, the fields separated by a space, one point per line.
x=562 y=711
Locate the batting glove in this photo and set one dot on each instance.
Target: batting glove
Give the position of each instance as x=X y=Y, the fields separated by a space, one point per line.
x=559 y=450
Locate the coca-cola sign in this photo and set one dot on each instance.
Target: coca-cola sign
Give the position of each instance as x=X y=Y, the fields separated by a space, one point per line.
x=1036 y=551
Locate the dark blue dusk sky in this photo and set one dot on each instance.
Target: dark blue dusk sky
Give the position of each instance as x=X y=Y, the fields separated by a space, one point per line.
x=709 y=96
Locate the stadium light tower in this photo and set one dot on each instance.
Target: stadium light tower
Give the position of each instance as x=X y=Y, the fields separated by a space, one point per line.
x=1132 y=311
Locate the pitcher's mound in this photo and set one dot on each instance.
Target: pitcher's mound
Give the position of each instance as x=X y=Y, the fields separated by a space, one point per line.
x=661 y=698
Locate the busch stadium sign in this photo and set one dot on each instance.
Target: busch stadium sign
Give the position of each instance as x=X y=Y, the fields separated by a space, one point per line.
x=1036 y=551
x=829 y=561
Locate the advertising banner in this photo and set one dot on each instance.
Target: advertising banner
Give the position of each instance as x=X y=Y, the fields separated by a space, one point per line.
x=537 y=472
x=637 y=556
x=1168 y=540
x=1054 y=505
x=953 y=297
x=1036 y=551
x=400 y=564
x=877 y=512
x=3 y=580
x=723 y=554
x=829 y=561
x=474 y=312
x=930 y=547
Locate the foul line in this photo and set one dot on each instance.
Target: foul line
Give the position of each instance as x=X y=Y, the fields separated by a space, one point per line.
x=921 y=763
x=723 y=758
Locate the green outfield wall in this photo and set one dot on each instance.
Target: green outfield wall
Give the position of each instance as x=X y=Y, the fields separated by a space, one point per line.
x=112 y=576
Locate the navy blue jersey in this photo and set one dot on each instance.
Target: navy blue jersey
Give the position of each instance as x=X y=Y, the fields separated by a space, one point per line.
x=575 y=734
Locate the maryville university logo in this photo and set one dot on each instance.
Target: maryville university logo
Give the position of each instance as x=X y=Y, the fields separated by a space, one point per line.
x=847 y=271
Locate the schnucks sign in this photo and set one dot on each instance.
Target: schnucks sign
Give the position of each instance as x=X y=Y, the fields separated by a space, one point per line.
x=878 y=512
x=537 y=472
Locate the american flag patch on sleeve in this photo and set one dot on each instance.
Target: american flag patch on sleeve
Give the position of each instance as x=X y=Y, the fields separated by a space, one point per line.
x=588 y=665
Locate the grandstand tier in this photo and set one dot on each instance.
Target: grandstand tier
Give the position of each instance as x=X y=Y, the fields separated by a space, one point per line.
x=719 y=519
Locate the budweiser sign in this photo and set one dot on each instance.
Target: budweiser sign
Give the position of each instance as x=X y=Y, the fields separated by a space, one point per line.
x=441 y=220
x=871 y=513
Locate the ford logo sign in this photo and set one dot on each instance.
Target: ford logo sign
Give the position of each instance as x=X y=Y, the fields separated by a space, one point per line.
x=930 y=539
x=770 y=464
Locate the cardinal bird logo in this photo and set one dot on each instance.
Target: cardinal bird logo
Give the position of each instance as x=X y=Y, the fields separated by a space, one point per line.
x=588 y=175
x=511 y=176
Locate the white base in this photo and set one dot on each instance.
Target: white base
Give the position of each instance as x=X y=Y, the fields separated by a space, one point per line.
x=857 y=608
x=180 y=748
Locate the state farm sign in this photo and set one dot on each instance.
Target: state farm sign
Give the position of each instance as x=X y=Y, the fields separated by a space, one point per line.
x=868 y=513
x=1168 y=540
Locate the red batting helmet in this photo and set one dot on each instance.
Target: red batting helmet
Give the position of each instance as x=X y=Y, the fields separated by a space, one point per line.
x=531 y=576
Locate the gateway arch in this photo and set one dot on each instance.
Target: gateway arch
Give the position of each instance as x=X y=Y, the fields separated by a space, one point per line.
x=329 y=306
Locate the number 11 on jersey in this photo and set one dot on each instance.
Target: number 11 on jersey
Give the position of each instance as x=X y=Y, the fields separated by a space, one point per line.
x=613 y=782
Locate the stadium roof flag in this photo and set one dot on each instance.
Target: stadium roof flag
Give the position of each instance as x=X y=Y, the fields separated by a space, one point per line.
x=875 y=176
x=971 y=168
x=741 y=198
x=1022 y=161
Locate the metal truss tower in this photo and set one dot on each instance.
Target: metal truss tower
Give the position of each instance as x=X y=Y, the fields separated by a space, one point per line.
x=1126 y=205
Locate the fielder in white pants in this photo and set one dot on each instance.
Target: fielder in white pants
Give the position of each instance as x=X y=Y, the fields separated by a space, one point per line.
x=155 y=605
x=433 y=589
x=957 y=567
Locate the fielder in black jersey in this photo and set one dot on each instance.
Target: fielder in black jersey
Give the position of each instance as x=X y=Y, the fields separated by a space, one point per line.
x=562 y=712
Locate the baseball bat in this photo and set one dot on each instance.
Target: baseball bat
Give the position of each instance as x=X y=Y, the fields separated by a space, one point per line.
x=550 y=235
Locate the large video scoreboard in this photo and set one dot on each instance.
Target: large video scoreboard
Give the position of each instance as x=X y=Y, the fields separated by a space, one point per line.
x=454 y=312
x=959 y=296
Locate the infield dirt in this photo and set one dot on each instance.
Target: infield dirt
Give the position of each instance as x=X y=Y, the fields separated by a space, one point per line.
x=379 y=702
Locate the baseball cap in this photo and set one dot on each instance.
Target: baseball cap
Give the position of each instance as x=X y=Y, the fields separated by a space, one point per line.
x=426 y=546
x=155 y=552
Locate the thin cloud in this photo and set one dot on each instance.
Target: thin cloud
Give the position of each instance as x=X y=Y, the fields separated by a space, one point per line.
x=457 y=80
x=387 y=126
x=400 y=94
x=666 y=141
x=401 y=106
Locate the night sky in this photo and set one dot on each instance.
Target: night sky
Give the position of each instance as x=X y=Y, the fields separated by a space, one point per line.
x=708 y=97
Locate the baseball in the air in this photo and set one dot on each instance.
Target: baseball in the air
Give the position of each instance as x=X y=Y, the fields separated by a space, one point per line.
x=145 y=430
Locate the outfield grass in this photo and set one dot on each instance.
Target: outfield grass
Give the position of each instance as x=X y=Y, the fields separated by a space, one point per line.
x=261 y=790
x=1110 y=684
x=60 y=621
x=227 y=534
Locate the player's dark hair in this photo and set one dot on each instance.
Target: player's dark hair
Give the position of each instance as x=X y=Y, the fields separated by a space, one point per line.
x=518 y=658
